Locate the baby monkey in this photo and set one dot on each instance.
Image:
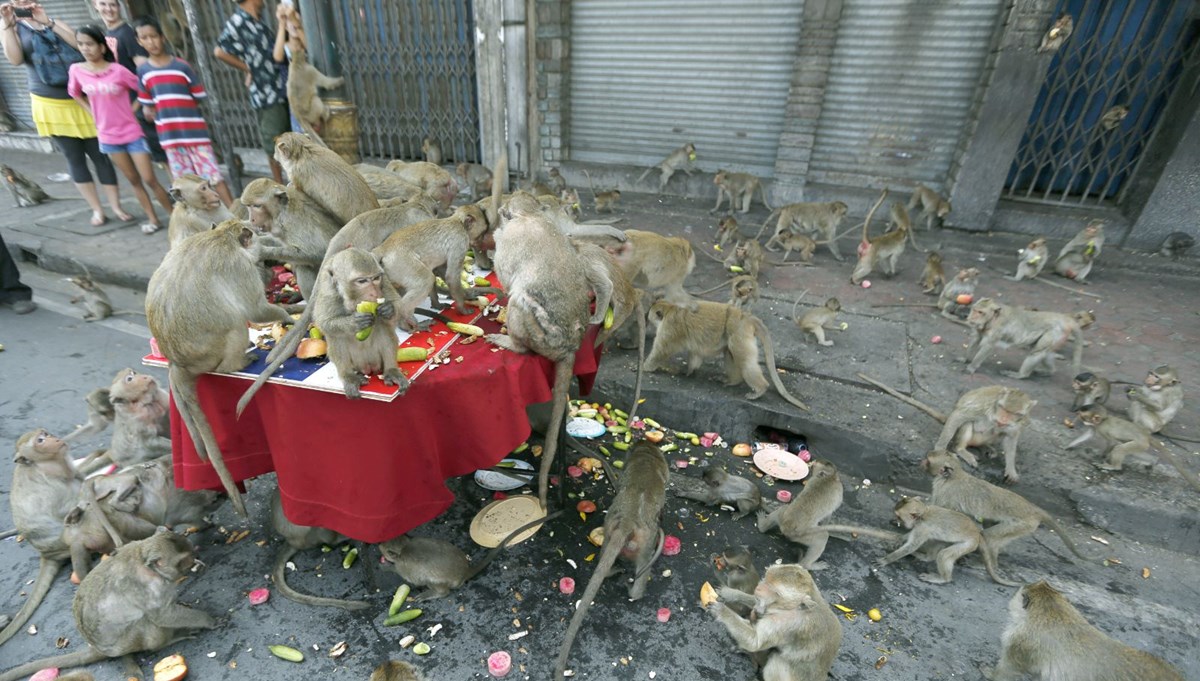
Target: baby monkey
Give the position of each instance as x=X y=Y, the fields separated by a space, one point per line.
x=1090 y=390
x=722 y=488
x=933 y=275
x=815 y=321
x=604 y=201
x=953 y=533
x=727 y=231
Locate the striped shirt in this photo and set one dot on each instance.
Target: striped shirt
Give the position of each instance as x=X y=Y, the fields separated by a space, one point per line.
x=174 y=90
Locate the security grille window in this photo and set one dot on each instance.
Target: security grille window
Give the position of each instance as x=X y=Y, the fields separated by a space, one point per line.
x=1103 y=99
x=648 y=76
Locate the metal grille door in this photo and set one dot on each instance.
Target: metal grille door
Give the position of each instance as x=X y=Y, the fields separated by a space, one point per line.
x=649 y=75
x=1102 y=100
x=410 y=69
x=900 y=90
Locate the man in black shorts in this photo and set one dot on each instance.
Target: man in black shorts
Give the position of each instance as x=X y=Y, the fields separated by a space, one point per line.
x=246 y=43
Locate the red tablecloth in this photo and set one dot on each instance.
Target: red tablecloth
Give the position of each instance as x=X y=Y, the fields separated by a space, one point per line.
x=375 y=470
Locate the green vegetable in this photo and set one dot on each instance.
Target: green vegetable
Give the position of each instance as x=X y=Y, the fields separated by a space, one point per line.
x=287 y=653
x=402 y=617
x=351 y=556
x=398 y=599
x=421 y=648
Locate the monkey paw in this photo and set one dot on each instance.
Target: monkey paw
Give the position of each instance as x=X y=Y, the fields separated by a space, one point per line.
x=968 y=458
x=1012 y=479
x=386 y=310
x=363 y=320
x=827 y=343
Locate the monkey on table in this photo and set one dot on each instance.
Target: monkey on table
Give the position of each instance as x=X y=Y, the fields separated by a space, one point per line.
x=810 y=217
x=290 y=216
x=1155 y=403
x=324 y=177
x=952 y=533
x=197 y=208
x=1013 y=516
x=1047 y=638
x=45 y=487
x=794 y=624
x=197 y=305
x=1121 y=438
x=712 y=330
x=434 y=179
x=128 y=605
x=1043 y=333
x=682 y=158
x=631 y=531
x=800 y=520
x=738 y=188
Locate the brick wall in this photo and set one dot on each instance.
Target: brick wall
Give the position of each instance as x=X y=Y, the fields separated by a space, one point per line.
x=552 y=54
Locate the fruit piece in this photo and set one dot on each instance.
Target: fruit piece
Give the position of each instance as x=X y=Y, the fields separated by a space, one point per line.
x=407 y=641
x=314 y=332
x=574 y=471
x=367 y=307
x=277 y=331
x=663 y=614
x=623 y=446
x=351 y=556
x=412 y=354
x=866 y=283
x=670 y=447
x=311 y=347
x=692 y=157
x=671 y=545
x=708 y=595
x=421 y=648
x=482 y=281
x=742 y=449
x=259 y=596
x=654 y=436
x=964 y=299
x=363 y=334
x=608 y=317
x=48 y=674
x=596 y=536
x=402 y=592
x=287 y=653
x=170 y=668
x=566 y=585
x=586 y=506
x=402 y=617
x=936 y=340
x=874 y=615
x=499 y=664
x=783 y=496
x=465 y=329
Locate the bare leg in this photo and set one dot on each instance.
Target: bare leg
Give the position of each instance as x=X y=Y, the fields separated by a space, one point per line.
x=88 y=191
x=113 y=193
x=145 y=168
x=124 y=163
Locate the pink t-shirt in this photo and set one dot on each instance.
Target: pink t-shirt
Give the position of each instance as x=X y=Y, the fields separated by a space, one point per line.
x=108 y=92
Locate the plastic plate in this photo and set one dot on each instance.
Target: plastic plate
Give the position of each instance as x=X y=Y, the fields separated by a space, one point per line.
x=496 y=520
x=780 y=463
x=500 y=482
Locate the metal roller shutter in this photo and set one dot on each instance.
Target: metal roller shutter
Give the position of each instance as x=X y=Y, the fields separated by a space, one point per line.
x=12 y=78
x=900 y=89
x=650 y=75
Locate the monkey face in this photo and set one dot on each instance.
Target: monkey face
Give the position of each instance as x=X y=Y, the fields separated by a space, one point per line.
x=129 y=385
x=719 y=178
x=41 y=445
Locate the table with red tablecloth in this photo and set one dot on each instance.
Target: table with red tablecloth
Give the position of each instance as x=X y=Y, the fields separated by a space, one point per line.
x=373 y=470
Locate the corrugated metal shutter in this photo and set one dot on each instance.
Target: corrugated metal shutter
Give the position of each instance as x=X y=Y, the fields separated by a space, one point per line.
x=12 y=78
x=900 y=88
x=650 y=75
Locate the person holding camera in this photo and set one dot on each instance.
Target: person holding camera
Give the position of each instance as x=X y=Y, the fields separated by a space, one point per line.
x=47 y=48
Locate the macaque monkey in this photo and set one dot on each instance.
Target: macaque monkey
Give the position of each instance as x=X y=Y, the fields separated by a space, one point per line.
x=128 y=605
x=932 y=204
x=748 y=255
x=1122 y=438
x=1043 y=333
x=608 y=280
x=302 y=82
x=1090 y=390
x=727 y=231
x=1057 y=35
x=1013 y=516
x=95 y=526
x=557 y=182
x=1077 y=256
x=299 y=538
x=991 y=416
x=197 y=305
x=955 y=534
x=711 y=330
x=739 y=188
x=324 y=177
x=811 y=218
x=883 y=251
x=900 y=219
x=396 y=670
x=1047 y=638
x=100 y=415
x=1176 y=245
x=734 y=568
x=1033 y=260
x=197 y=208
x=631 y=531
x=795 y=626
x=1075 y=265
x=656 y=263
x=388 y=187
x=682 y=158
x=604 y=201
x=801 y=243
x=1155 y=403
x=149 y=491
x=722 y=488
x=933 y=275
x=547 y=300
x=45 y=487
x=438 y=567
x=25 y=192
x=362 y=343
x=141 y=422
x=434 y=179
x=800 y=520
x=432 y=151
x=475 y=177
x=1112 y=119
x=815 y=321
x=303 y=227
x=963 y=284
x=92 y=299
x=743 y=291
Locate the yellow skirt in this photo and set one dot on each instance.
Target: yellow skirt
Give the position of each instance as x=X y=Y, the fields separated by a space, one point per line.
x=62 y=117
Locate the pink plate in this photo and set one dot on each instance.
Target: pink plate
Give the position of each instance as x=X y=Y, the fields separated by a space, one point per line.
x=781 y=464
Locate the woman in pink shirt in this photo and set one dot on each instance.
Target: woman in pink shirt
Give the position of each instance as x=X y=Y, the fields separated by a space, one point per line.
x=104 y=86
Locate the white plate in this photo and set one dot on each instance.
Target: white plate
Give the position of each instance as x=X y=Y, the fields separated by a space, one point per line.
x=780 y=463
x=500 y=482
x=581 y=427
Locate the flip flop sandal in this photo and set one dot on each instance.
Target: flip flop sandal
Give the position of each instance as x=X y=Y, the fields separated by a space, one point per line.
x=150 y=228
x=98 y=222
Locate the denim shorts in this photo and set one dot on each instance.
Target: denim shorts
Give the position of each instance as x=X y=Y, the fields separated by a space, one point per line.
x=138 y=146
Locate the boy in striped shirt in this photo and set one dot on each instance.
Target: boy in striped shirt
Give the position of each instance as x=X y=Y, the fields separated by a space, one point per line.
x=170 y=93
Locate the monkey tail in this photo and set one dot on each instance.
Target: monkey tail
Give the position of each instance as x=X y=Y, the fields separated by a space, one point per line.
x=841 y=532
x=871 y=214
x=491 y=555
x=79 y=658
x=591 y=185
x=645 y=173
x=8 y=533
x=311 y=132
x=1169 y=438
x=47 y=571
x=766 y=222
x=558 y=410
x=637 y=381
x=989 y=564
x=941 y=418
x=1170 y=457
x=279 y=576
x=762 y=194
x=188 y=401
x=1053 y=524
x=798 y=299
x=760 y=330
x=285 y=347
x=658 y=549
x=715 y=258
x=608 y=558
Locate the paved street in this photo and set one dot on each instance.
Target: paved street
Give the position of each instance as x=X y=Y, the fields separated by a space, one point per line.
x=1139 y=526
